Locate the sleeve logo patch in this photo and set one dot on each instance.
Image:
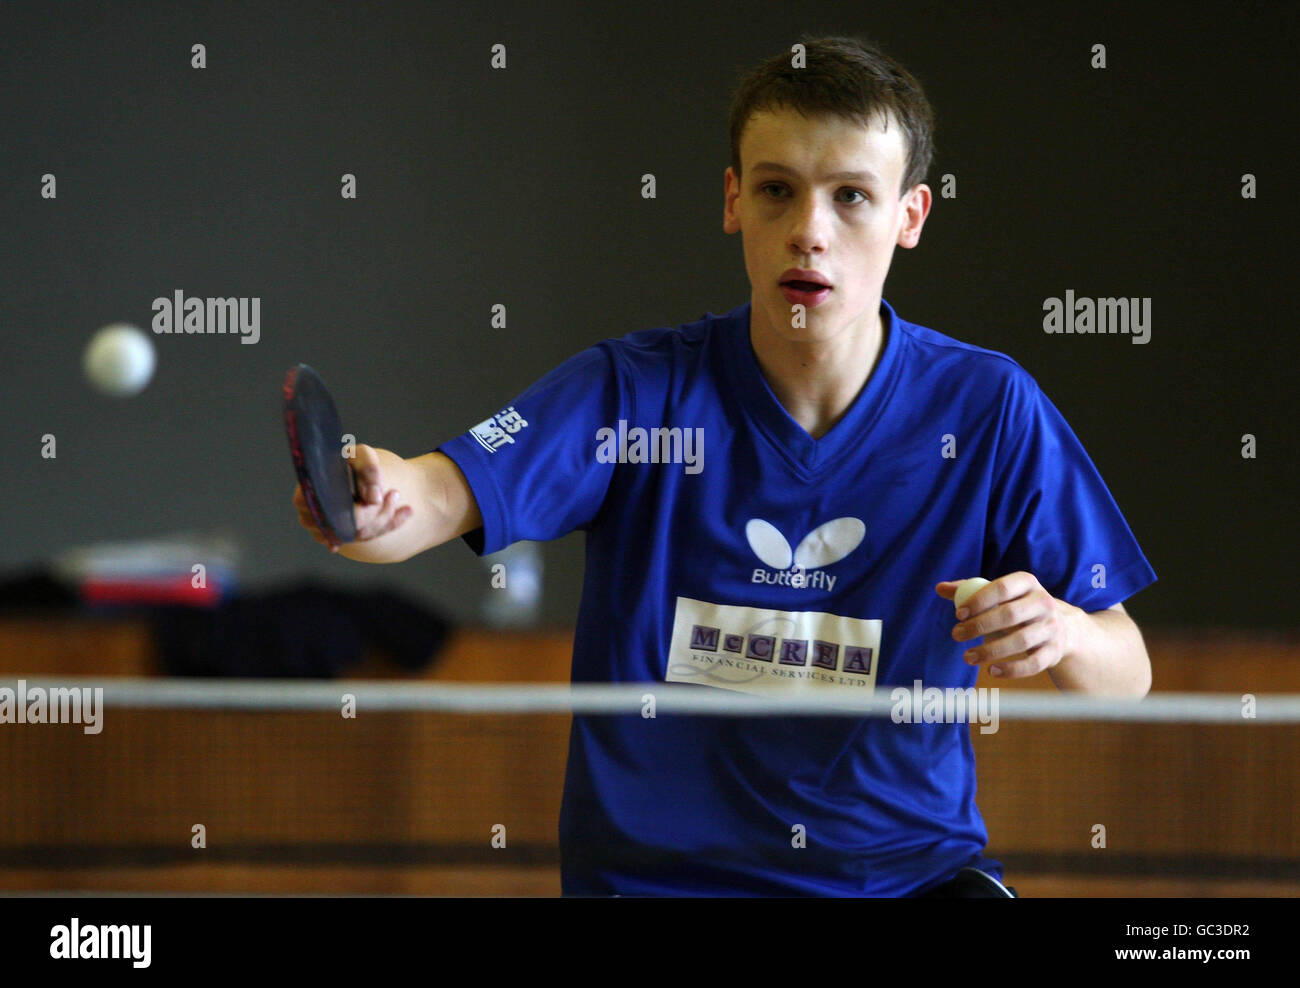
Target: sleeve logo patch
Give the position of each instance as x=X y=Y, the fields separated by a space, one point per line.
x=499 y=430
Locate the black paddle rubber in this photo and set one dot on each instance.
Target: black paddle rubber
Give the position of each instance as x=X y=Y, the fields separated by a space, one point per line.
x=316 y=442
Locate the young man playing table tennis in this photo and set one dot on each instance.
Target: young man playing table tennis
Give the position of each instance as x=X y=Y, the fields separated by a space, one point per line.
x=854 y=467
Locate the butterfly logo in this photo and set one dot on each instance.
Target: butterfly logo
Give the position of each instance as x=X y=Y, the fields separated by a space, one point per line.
x=825 y=544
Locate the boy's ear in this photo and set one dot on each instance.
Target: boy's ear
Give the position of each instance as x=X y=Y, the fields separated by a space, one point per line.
x=917 y=209
x=730 y=192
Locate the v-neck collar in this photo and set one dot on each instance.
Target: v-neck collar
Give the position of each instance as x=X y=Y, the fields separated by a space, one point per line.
x=807 y=454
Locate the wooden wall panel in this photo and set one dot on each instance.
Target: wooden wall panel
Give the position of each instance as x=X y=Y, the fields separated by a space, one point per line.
x=406 y=803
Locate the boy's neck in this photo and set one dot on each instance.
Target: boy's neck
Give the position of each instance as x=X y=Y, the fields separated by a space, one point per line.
x=816 y=383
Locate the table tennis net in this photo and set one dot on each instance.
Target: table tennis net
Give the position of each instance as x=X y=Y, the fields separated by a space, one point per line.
x=338 y=786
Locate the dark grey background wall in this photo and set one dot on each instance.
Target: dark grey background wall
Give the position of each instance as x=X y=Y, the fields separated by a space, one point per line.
x=522 y=187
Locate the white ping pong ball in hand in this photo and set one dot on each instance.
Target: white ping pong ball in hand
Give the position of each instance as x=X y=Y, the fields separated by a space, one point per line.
x=965 y=589
x=119 y=360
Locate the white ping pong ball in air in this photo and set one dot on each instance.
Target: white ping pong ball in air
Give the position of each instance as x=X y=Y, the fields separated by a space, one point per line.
x=965 y=589
x=119 y=360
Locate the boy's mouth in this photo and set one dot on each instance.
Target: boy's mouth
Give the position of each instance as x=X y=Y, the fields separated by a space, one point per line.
x=812 y=294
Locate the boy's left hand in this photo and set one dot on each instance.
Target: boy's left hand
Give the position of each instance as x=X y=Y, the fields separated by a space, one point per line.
x=1025 y=629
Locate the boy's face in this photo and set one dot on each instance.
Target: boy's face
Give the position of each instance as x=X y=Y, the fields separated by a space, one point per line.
x=843 y=228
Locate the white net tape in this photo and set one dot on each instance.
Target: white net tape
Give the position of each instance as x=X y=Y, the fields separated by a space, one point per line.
x=632 y=699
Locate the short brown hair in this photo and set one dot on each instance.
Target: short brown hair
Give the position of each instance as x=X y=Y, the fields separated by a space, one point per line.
x=845 y=76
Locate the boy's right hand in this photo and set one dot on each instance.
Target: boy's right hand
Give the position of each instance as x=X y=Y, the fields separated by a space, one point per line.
x=378 y=510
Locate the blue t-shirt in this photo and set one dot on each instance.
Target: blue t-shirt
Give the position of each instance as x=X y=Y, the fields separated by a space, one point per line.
x=762 y=560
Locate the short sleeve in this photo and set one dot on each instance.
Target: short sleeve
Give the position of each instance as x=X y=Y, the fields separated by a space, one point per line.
x=1051 y=514
x=532 y=466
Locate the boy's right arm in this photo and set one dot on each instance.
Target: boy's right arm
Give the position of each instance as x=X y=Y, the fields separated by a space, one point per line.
x=406 y=506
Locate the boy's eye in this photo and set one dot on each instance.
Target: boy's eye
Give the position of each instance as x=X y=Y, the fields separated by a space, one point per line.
x=779 y=186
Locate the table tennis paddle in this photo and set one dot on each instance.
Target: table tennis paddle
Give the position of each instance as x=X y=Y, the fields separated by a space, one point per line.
x=316 y=442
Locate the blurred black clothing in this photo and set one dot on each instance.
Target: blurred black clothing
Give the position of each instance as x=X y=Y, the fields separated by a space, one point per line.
x=306 y=630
